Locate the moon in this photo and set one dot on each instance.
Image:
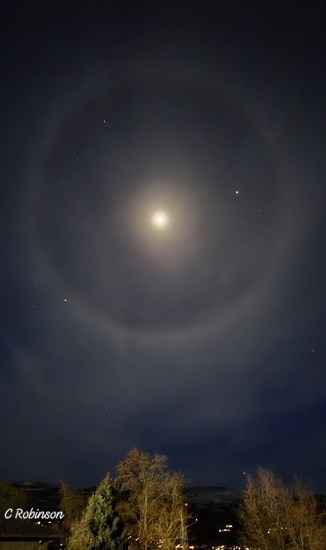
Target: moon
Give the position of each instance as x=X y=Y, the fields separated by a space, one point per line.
x=160 y=220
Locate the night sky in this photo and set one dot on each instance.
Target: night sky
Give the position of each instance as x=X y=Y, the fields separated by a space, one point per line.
x=202 y=338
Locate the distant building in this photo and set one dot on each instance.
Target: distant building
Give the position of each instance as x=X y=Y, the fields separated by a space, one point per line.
x=23 y=534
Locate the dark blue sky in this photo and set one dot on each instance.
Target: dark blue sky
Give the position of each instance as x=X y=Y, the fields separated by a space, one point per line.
x=205 y=340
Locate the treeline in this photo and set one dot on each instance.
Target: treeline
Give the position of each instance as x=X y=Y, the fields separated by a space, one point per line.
x=142 y=508
x=11 y=497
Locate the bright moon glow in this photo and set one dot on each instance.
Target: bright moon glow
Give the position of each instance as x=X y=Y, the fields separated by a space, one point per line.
x=160 y=220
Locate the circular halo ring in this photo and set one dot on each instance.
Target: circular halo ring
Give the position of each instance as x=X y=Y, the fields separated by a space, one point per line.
x=95 y=317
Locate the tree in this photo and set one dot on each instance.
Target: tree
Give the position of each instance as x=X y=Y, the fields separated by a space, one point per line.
x=307 y=525
x=100 y=527
x=152 y=506
x=275 y=518
x=72 y=504
x=171 y=528
x=11 y=497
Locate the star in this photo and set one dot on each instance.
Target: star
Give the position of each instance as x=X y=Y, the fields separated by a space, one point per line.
x=237 y=192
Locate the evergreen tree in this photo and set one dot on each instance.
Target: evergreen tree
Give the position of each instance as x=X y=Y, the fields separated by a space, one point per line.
x=100 y=527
